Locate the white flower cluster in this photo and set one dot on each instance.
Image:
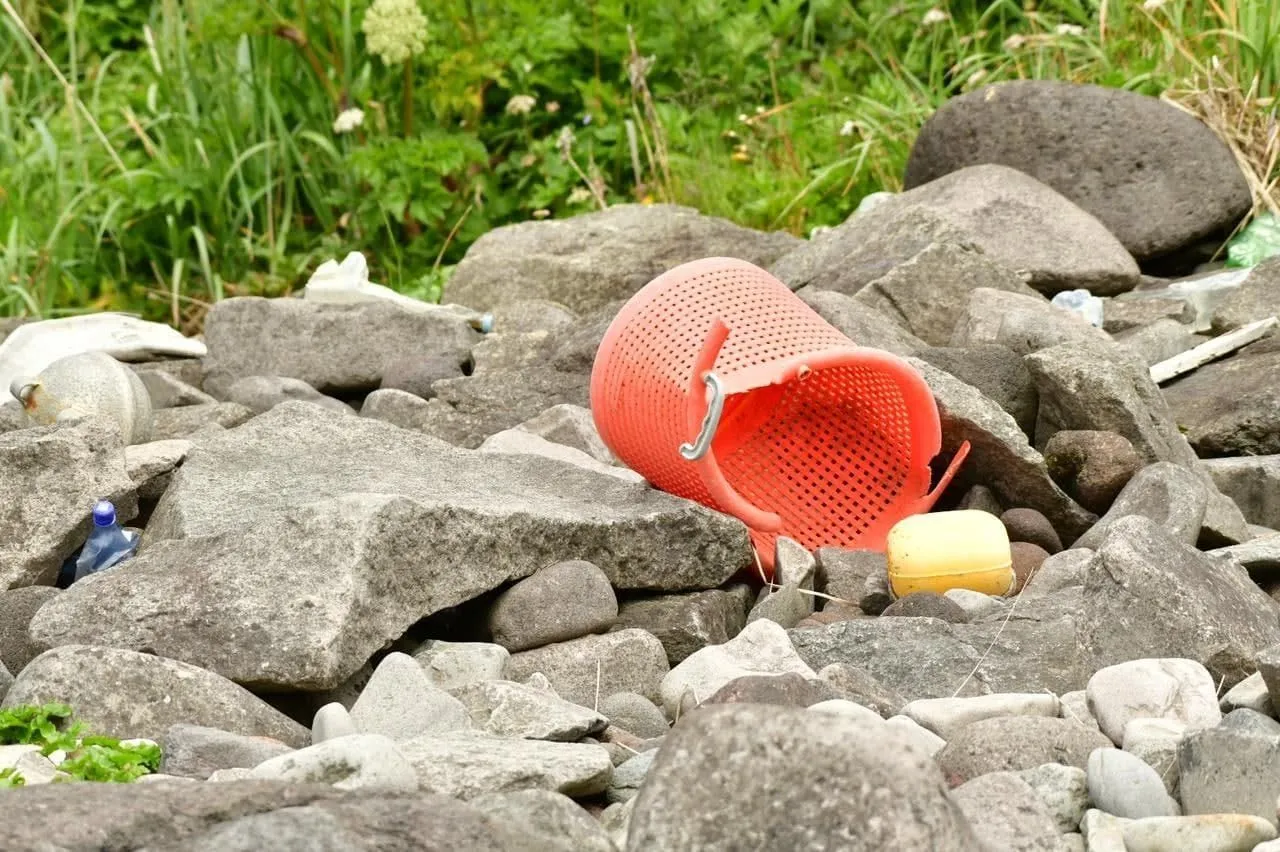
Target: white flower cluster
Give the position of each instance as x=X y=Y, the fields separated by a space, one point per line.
x=395 y=30
x=348 y=120
x=521 y=104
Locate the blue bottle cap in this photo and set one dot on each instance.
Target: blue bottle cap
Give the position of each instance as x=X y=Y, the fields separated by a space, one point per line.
x=104 y=514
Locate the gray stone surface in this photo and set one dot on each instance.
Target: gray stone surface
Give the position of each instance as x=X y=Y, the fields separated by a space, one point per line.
x=126 y=694
x=1249 y=694
x=1007 y=813
x=592 y=259
x=168 y=391
x=518 y=441
x=331 y=721
x=401 y=702
x=1000 y=455
x=1172 y=497
x=1256 y=298
x=49 y=480
x=1024 y=324
x=1013 y=743
x=1253 y=482
x=1232 y=768
x=151 y=465
x=572 y=426
x=467 y=765
x=843 y=573
x=789 y=689
x=773 y=774
x=629 y=776
x=1015 y=220
x=262 y=393
x=356 y=762
x=1030 y=526
x=1219 y=832
x=550 y=814
x=1176 y=689
x=1231 y=407
x=635 y=714
x=1125 y=786
x=592 y=668
x=193 y=751
x=382 y=537
x=1091 y=466
x=334 y=348
x=1064 y=791
x=562 y=601
x=946 y=716
x=995 y=370
x=17 y=607
x=858 y=685
x=860 y=322
x=1148 y=595
x=684 y=623
x=6 y=680
x=450 y=665
x=928 y=294
x=1154 y=176
x=761 y=648
x=185 y=422
x=1156 y=742
x=418 y=374
x=785 y=605
x=508 y=709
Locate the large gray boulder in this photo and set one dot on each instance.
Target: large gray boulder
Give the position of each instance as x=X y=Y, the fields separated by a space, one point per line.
x=592 y=259
x=860 y=322
x=1253 y=482
x=1148 y=595
x=1024 y=323
x=1017 y=221
x=334 y=348
x=1231 y=407
x=50 y=478
x=742 y=776
x=288 y=551
x=1154 y=176
x=126 y=694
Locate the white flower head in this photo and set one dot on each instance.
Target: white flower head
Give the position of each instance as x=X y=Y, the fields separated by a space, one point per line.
x=1014 y=42
x=1069 y=30
x=846 y=129
x=976 y=77
x=395 y=30
x=579 y=195
x=521 y=104
x=348 y=120
x=934 y=16
x=1152 y=5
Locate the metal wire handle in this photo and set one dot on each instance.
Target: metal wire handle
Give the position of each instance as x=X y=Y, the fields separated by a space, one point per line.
x=710 y=423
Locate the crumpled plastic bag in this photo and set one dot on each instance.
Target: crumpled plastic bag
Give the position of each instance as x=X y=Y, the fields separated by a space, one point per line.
x=1081 y=302
x=1259 y=240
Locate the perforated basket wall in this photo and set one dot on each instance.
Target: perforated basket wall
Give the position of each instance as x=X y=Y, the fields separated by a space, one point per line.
x=832 y=438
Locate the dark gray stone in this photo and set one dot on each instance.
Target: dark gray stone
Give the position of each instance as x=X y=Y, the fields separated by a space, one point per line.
x=982 y=499
x=559 y=602
x=891 y=795
x=996 y=371
x=685 y=623
x=570 y=425
x=1093 y=467
x=1256 y=298
x=843 y=573
x=522 y=316
x=785 y=690
x=927 y=605
x=17 y=608
x=173 y=423
x=1172 y=497
x=1012 y=743
x=547 y=814
x=1030 y=526
x=417 y=375
x=126 y=694
x=1253 y=482
x=1130 y=312
x=858 y=685
x=263 y=393
x=1148 y=595
x=1231 y=407
x=592 y=668
x=861 y=323
x=193 y=751
x=1154 y=176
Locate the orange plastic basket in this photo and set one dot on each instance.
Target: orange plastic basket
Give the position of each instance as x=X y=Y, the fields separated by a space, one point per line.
x=718 y=384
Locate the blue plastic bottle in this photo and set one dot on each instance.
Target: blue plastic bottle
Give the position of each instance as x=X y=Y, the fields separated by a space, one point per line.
x=107 y=545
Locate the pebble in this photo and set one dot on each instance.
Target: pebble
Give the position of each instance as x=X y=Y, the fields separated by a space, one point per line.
x=926 y=605
x=563 y=601
x=1064 y=791
x=634 y=714
x=357 y=762
x=515 y=710
x=1103 y=832
x=1155 y=741
x=469 y=764
x=450 y=665
x=628 y=777
x=1075 y=706
x=1207 y=833
x=1168 y=688
x=333 y=720
x=401 y=702
x=946 y=716
x=794 y=565
x=1124 y=786
x=1249 y=694
x=1033 y=527
x=1027 y=559
x=1093 y=467
x=975 y=604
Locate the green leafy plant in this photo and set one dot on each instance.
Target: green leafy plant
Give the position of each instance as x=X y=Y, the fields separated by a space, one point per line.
x=88 y=757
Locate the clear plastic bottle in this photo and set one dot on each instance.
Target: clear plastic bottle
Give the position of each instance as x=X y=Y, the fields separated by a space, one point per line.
x=108 y=543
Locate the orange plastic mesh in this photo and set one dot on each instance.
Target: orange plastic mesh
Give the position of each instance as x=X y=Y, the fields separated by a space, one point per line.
x=840 y=456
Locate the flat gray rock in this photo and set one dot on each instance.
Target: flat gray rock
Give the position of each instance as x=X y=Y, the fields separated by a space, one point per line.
x=745 y=777
x=334 y=348
x=1210 y=831
x=1007 y=813
x=465 y=766
x=544 y=812
x=1255 y=299
x=263 y=393
x=355 y=762
x=151 y=465
x=1014 y=743
x=194 y=751
x=401 y=702
x=508 y=709
x=1147 y=595
x=562 y=601
x=1154 y=176
x=1253 y=482
x=1172 y=497
x=50 y=478
x=1232 y=768
x=589 y=260
x=684 y=623
x=1231 y=407
x=126 y=694
x=450 y=665
x=592 y=668
x=175 y=423
x=570 y=425
x=409 y=531
x=17 y=607
x=1064 y=791
x=1024 y=323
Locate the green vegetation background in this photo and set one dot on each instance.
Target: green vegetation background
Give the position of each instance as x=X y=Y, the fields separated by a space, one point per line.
x=219 y=170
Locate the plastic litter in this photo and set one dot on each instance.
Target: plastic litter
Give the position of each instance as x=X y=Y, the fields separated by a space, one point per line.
x=35 y=345
x=88 y=384
x=1203 y=294
x=937 y=552
x=348 y=283
x=108 y=543
x=1081 y=302
x=1259 y=240
x=718 y=384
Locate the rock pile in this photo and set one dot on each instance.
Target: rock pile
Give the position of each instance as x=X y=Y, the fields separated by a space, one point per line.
x=395 y=592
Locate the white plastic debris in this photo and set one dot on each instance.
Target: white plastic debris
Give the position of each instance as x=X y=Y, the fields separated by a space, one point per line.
x=32 y=347
x=1081 y=302
x=348 y=283
x=1204 y=294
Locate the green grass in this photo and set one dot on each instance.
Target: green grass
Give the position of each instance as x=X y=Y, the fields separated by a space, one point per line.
x=217 y=170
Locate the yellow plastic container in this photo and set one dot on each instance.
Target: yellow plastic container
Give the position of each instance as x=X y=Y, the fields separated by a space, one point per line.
x=938 y=551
